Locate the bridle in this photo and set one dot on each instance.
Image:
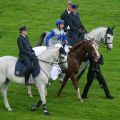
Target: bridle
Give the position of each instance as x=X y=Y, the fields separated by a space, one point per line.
x=104 y=40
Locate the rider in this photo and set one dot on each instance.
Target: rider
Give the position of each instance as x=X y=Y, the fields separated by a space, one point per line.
x=76 y=31
x=56 y=35
x=65 y=16
x=26 y=53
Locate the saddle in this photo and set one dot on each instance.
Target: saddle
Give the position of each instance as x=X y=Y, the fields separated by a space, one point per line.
x=21 y=69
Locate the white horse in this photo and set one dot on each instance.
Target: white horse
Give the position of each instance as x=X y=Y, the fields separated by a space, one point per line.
x=7 y=73
x=102 y=36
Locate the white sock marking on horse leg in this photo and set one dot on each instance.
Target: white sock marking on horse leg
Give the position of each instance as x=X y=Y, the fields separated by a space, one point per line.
x=29 y=91
x=79 y=96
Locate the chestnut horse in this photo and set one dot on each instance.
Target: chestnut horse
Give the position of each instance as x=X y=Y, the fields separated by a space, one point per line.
x=75 y=58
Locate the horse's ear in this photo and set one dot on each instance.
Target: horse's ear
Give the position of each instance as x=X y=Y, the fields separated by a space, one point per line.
x=113 y=27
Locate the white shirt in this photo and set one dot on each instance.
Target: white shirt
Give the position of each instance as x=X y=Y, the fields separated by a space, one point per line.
x=68 y=27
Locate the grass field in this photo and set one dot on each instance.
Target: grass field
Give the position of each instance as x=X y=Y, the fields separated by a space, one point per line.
x=39 y=16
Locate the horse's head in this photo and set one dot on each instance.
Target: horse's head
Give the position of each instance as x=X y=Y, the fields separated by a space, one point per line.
x=62 y=52
x=62 y=57
x=108 y=38
x=91 y=49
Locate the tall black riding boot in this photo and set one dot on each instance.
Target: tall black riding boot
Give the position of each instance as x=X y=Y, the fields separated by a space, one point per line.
x=27 y=79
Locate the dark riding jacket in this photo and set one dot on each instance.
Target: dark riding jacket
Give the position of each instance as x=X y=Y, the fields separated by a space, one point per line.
x=65 y=16
x=74 y=34
x=24 y=46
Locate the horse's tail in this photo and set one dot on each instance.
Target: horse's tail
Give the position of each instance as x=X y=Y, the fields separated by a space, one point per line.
x=41 y=39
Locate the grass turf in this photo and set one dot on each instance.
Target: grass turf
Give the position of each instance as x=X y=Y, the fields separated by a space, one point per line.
x=39 y=16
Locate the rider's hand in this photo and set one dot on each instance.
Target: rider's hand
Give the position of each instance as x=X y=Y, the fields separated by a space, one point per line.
x=33 y=56
x=81 y=30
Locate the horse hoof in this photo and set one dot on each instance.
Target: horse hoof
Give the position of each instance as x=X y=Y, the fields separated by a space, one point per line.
x=81 y=101
x=33 y=108
x=10 y=110
x=47 y=113
x=31 y=96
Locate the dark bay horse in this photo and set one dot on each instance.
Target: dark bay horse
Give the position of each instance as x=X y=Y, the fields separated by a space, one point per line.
x=75 y=58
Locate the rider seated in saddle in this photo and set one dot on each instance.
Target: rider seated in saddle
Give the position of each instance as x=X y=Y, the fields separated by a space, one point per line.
x=76 y=29
x=26 y=53
x=56 y=35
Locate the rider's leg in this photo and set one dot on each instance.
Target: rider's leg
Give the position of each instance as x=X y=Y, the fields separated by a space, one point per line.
x=28 y=64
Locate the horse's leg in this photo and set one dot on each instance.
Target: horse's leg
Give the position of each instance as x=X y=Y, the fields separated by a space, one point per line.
x=4 y=94
x=76 y=87
x=38 y=104
x=41 y=90
x=29 y=91
x=63 y=84
x=82 y=70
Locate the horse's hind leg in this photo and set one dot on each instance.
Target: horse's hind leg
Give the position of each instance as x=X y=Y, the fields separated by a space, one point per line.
x=63 y=85
x=4 y=88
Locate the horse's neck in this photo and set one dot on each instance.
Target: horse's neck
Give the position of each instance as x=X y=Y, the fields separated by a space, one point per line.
x=50 y=55
x=79 y=54
x=96 y=34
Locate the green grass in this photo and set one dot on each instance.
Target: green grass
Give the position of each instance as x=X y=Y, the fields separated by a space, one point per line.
x=39 y=16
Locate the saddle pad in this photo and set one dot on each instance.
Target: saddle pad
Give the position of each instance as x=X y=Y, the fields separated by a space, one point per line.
x=19 y=69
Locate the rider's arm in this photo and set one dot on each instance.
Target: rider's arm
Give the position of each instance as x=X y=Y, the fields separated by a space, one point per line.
x=48 y=37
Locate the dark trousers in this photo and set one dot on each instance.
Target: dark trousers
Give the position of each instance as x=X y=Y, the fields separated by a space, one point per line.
x=90 y=77
x=27 y=62
x=74 y=37
x=28 y=68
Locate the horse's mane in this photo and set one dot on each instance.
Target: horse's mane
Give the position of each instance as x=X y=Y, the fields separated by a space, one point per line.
x=78 y=45
x=94 y=30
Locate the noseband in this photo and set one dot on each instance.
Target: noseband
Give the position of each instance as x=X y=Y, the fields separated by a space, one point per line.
x=105 y=37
